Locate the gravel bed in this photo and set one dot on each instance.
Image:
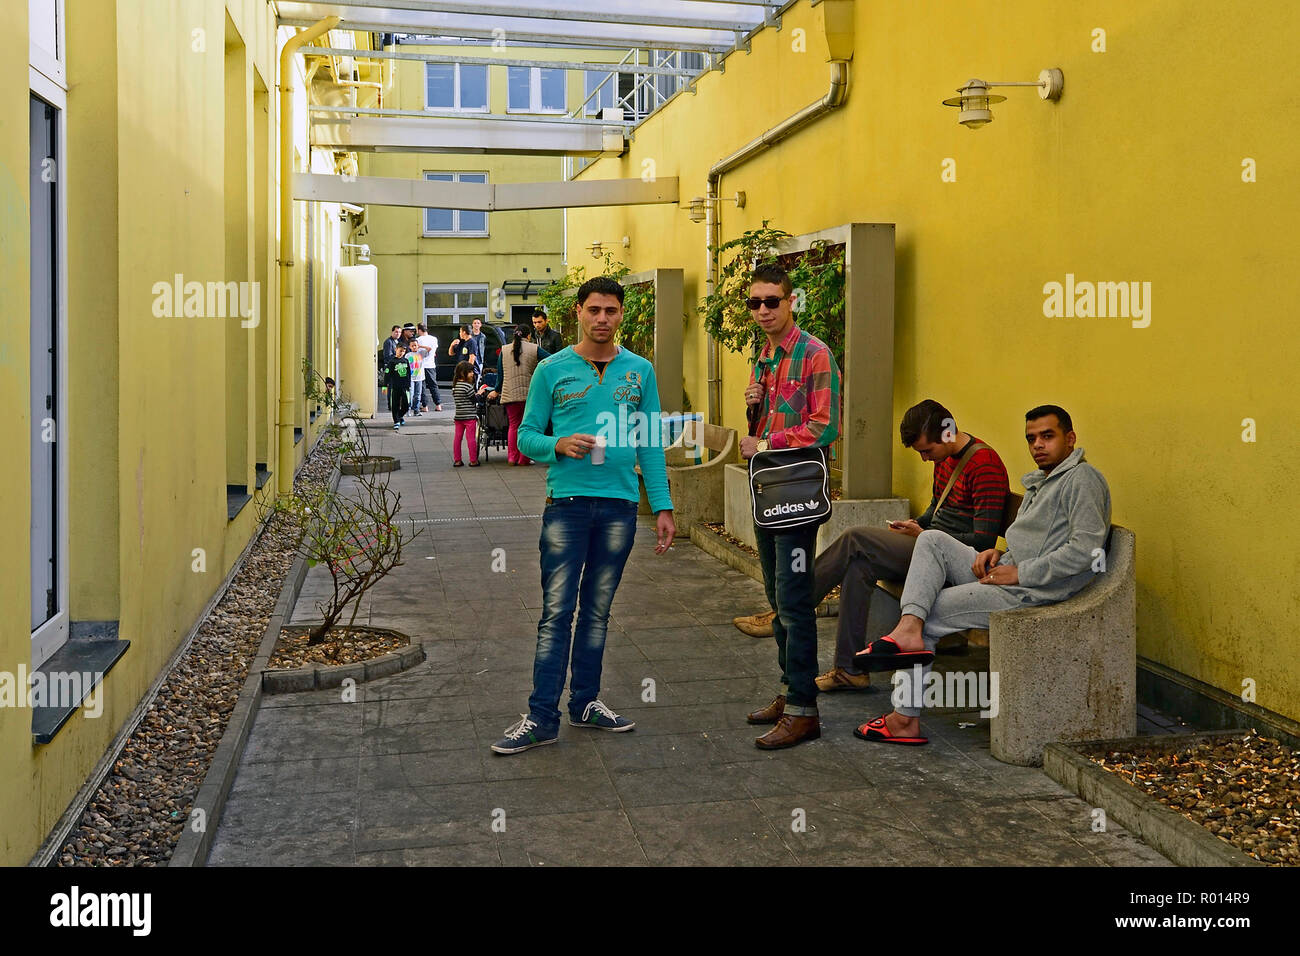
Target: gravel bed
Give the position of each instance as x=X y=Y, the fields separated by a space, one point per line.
x=137 y=815
x=343 y=645
x=1245 y=791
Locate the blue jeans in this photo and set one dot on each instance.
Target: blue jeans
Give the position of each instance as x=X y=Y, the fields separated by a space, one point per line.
x=787 y=561
x=417 y=391
x=585 y=543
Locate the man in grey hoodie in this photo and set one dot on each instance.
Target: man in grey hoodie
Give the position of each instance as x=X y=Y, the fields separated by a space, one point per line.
x=1056 y=545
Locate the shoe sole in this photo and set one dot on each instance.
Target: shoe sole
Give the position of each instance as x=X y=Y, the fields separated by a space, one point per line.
x=519 y=750
x=794 y=743
x=612 y=730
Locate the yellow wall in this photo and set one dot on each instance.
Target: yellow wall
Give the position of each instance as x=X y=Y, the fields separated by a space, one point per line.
x=517 y=240
x=151 y=193
x=1134 y=175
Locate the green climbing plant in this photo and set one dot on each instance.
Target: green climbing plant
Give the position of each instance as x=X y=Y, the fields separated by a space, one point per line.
x=560 y=299
x=817 y=275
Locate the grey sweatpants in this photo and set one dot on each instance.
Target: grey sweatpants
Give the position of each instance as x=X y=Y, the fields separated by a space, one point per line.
x=855 y=560
x=944 y=593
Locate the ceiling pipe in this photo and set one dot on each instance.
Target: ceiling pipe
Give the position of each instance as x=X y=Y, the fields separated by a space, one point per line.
x=285 y=411
x=834 y=98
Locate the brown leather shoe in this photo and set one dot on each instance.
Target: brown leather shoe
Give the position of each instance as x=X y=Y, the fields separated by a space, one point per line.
x=769 y=714
x=756 y=625
x=837 y=678
x=790 y=730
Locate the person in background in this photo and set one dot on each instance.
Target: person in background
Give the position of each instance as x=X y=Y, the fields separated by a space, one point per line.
x=515 y=376
x=417 y=377
x=466 y=415
x=544 y=336
x=398 y=372
x=428 y=346
x=478 y=342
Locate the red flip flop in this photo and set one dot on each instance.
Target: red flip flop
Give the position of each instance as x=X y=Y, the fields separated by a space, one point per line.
x=884 y=655
x=878 y=731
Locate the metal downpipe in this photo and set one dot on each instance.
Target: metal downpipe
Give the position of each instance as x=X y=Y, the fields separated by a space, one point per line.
x=285 y=408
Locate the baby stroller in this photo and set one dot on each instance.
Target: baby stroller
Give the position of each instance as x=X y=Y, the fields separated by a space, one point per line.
x=493 y=425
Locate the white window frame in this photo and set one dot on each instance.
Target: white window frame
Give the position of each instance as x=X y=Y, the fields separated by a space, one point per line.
x=452 y=316
x=456 y=107
x=456 y=232
x=52 y=67
x=53 y=634
x=535 y=92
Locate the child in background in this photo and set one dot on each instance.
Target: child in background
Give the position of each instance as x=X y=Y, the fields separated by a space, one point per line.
x=398 y=373
x=462 y=392
x=416 y=378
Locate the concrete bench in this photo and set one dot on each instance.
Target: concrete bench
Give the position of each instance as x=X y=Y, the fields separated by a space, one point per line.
x=1066 y=671
x=697 y=487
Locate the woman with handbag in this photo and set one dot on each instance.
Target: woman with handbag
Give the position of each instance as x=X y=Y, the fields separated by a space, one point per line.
x=793 y=406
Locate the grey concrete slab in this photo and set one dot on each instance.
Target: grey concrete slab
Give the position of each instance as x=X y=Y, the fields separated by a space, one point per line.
x=403 y=775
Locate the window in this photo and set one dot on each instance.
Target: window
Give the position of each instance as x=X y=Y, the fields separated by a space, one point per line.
x=455 y=222
x=604 y=99
x=456 y=86
x=666 y=86
x=454 y=305
x=532 y=89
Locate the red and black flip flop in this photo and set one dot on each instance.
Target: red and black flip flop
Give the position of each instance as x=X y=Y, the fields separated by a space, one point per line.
x=878 y=731
x=884 y=655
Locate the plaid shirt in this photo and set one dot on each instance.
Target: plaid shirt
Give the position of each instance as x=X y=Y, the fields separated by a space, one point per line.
x=801 y=383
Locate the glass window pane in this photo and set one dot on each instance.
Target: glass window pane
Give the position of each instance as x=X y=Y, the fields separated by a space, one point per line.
x=473 y=177
x=437 y=220
x=473 y=300
x=473 y=87
x=440 y=83
x=552 y=89
x=517 y=87
x=439 y=300
x=467 y=317
x=441 y=177
x=472 y=220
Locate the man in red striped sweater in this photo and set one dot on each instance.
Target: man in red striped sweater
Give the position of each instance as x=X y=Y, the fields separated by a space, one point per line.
x=971 y=513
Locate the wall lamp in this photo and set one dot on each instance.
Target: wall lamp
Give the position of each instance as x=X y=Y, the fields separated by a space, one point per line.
x=597 y=248
x=697 y=204
x=975 y=99
x=365 y=250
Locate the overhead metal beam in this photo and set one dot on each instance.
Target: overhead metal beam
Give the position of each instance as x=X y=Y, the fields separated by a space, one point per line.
x=504 y=135
x=486 y=197
x=485 y=28
x=595 y=66
x=632 y=15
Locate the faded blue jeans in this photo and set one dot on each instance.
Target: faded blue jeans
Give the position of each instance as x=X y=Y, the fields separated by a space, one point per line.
x=787 y=559
x=585 y=543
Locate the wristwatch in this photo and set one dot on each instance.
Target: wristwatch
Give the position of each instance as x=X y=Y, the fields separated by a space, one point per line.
x=762 y=444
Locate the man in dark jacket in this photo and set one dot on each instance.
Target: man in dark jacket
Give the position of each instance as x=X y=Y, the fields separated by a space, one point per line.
x=545 y=337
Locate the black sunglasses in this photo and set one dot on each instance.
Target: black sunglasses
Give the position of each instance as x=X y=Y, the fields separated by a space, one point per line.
x=771 y=301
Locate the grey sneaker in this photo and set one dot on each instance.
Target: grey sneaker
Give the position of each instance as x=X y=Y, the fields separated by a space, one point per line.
x=524 y=735
x=597 y=715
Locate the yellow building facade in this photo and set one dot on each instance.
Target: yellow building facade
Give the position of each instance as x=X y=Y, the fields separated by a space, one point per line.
x=512 y=246
x=165 y=316
x=1170 y=160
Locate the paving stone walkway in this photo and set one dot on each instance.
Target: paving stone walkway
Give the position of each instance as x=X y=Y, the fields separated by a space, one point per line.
x=404 y=776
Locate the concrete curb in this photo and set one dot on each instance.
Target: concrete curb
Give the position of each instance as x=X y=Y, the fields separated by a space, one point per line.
x=733 y=557
x=1183 y=841
x=193 y=847
x=374 y=465
x=280 y=681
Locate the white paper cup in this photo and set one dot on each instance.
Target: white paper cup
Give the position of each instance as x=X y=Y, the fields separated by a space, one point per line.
x=598 y=452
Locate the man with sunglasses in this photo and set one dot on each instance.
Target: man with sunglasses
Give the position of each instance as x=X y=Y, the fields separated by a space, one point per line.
x=793 y=401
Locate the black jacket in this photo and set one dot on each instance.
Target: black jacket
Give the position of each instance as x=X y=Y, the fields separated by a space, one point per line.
x=549 y=340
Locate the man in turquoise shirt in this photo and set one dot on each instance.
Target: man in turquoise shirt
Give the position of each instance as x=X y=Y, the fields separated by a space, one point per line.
x=603 y=404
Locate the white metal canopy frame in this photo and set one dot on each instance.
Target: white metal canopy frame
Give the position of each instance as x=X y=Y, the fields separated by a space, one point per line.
x=711 y=26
